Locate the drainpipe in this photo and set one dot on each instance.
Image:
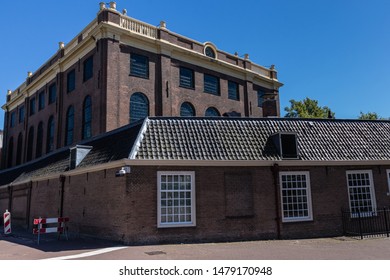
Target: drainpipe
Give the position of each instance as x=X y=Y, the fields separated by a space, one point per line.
x=10 y=191
x=62 y=180
x=29 y=204
x=275 y=173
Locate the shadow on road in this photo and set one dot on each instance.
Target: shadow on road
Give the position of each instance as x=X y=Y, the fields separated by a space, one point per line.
x=51 y=243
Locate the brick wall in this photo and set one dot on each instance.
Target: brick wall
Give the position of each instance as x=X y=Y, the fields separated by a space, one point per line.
x=125 y=208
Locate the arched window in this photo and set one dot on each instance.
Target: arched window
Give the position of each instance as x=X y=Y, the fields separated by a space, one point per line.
x=30 y=143
x=10 y=151
x=212 y=112
x=187 y=110
x=50 y=135
x=19 y=149
x=69 y=126
x=87 y=118
x=139 y=107
x=38 y=150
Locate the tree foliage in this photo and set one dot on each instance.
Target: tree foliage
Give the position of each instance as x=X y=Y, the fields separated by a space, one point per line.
x=370 y=116
x=307 y=108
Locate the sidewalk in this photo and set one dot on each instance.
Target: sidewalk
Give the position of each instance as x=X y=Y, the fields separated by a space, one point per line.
x=23 y=245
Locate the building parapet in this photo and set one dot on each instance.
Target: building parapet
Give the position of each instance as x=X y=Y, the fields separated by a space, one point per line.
x=137 y=27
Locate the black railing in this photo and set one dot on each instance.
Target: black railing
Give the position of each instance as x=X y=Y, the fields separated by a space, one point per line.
x=366 y=224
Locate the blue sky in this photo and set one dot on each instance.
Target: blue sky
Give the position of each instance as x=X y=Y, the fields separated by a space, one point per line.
x=334 y=51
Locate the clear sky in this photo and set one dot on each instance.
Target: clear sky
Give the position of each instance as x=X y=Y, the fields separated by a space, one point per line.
x=334 y=51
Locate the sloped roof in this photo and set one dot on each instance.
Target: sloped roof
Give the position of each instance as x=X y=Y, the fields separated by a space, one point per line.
x=219 y=139
x=108 y=147
x=249 y=139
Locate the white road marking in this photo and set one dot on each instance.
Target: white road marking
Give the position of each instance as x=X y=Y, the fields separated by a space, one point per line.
x=88 y=254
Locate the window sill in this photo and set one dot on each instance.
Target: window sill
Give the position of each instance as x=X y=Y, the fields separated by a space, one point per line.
x=138 y=76
x=176 y=225
x=192 y=88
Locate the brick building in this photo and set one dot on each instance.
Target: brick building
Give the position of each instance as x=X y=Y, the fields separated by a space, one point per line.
x=208 y=179
x=118 y=70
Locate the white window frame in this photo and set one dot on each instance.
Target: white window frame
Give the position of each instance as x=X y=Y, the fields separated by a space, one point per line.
x=162 y=224
x=309 y=217
x=372 y=191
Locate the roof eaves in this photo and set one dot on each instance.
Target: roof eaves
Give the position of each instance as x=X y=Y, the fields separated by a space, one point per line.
x=138 y=141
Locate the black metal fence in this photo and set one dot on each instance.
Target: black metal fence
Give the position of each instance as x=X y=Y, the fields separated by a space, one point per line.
x=367 y=224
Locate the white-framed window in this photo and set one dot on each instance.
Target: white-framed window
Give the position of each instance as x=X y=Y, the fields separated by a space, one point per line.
x=176 y=199
x=295 y=196
x=361 y=192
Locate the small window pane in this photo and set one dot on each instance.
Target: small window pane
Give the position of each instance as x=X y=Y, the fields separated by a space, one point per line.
x=260 y=98
x=139 y=66
x=212 y=112
x=41 y=100
x=71 y=81
x=233 y=91
x=139 y=107
x=32 y=106
x=52 y=94
x=69 y=126
x=13 y=119
x=187 y=110
x=87 y=118
x=88 y=68
x=211 y=84
x=186 y=78
x=21 y=114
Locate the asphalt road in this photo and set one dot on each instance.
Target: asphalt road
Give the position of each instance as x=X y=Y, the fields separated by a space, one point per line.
x=18 y=247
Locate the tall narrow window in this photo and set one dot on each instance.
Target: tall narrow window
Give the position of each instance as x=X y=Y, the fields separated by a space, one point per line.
x=10 y=152
x=12 y=121
x=176 y=199
x=361 y=192
x=211 y=84
x=139 y=107
x=21 y=114
x=41 y=100
x=295 y=196
x=187 y=110
x=71 y=81
x=87 y=118
x=50 y=135
x=32 y=106
x=88 y=68
x=187 y=78
x=30 y=144
x=38 y=150
x=69 y=126
x=260 y=98
x=233 y=92
x=52 y=93
x=19 y=149
x=139 y=66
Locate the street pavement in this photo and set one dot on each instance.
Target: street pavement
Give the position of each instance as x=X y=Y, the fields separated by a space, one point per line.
x=25 y=247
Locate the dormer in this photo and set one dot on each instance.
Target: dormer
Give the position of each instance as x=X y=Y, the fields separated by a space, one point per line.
x=77 y=154
x=286 y=144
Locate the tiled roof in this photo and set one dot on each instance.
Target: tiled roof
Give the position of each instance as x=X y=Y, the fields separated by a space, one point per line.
x=222 y=139
x=108 y=147
x=249 y=139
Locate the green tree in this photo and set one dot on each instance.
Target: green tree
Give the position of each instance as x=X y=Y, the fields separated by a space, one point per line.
x=368 y=116
x=307 y=108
